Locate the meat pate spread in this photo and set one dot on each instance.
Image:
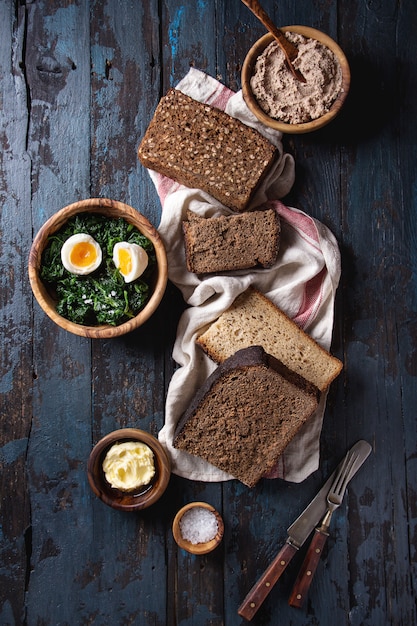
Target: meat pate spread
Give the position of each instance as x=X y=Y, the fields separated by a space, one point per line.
x=285 y=98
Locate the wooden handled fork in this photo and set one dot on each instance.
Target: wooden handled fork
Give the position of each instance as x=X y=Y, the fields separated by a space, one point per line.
x=309 y=566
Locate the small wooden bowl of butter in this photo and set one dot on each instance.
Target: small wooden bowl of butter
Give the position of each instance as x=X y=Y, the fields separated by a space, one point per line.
x=128 y=469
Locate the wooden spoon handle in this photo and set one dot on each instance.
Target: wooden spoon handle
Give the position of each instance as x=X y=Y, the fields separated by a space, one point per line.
x=289 y=49
x=263 y=586
x=308 y=568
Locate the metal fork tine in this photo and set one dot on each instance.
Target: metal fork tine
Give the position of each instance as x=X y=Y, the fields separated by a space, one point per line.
x=341 y=473
x=350 y=464
x=339 y=486
x=349 y=460
x=348 y=468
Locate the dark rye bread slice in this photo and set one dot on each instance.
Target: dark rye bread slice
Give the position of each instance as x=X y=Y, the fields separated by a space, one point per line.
x=233 y=242
x=253 y=319
x=202 y=147
x=247 y=412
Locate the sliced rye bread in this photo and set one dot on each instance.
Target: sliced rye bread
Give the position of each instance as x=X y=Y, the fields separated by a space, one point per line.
x=202 y=147
x=233 y=242
x=246 y=413
x=253 y=319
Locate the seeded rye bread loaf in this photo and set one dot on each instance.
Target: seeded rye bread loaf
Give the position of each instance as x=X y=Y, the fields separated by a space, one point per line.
x=233 y=242
x=253 y=319
x=202 y=147
x=247 y=412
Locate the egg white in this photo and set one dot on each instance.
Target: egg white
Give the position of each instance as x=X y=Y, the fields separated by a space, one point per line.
x=130 y=259
x=86 y=249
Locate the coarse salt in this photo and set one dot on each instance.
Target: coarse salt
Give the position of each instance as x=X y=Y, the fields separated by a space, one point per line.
x=198 y=525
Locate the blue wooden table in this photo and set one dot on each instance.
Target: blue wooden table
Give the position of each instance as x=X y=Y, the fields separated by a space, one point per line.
x=79 y=83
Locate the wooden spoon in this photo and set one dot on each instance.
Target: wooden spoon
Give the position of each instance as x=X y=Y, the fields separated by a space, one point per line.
x=286 y=46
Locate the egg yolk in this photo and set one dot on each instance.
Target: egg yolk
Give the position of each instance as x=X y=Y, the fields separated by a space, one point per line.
x=125 y=261
x=83 y=254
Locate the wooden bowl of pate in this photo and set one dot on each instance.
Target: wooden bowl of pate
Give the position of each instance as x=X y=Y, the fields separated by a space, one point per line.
x=282 y=102
x=154 y=284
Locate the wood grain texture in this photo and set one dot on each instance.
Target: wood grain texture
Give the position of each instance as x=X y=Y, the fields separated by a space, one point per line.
x=79 y=84
x=15 y=321
x=261 y=589
x=307 y=570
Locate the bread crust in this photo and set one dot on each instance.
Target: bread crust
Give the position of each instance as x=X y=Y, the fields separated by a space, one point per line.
x=233 y=242
x=245 y=414
x=202 y=147
x=255 y=319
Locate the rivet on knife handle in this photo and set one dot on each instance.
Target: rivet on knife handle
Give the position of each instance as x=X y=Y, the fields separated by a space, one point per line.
x=334 y=500
x=309 y=566
x=263 y=586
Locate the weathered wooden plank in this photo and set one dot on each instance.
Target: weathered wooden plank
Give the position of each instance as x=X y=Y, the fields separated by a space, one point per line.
x=125 y=89
x=58 y=73
x=15 y=320
x=373 y=220
x=195 y=594
x=93 y=77
x=195 y=585
x=128 y=375
x=188 y=38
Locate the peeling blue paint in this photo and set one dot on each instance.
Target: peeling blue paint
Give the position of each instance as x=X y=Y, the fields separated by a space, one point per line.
x=64 y=20
x=12 y=450
x=99 y=55
x=201 y=8
x=6 y=382
x=42 y=213
x=173 y=38
x=6 y=615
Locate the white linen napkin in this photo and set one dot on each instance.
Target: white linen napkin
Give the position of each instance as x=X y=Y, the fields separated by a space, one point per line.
x=302 y=283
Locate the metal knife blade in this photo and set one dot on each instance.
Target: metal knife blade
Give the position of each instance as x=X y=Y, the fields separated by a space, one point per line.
x=299 y=530
x=334 y=500
x=298 y=533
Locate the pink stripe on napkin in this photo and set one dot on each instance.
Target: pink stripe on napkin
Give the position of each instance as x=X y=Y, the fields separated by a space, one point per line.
x=312 y=299
x=164 y=186
x=302 y=222
x=313 y=288
x=220 y=97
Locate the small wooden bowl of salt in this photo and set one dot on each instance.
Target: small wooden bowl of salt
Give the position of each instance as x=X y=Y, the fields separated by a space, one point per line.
x=198 y=528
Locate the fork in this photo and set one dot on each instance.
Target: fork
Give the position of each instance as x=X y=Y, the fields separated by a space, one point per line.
x=334 y=500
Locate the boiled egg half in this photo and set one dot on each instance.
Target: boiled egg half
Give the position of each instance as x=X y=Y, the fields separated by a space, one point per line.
x=130 y=259
x=81 y=254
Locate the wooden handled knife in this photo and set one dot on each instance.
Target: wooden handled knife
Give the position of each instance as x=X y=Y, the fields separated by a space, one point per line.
x=298 y=533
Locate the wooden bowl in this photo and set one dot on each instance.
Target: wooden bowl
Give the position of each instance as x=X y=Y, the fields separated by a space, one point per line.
x=110 y=209
x=307 y=127
x=197 y=548
x=144 y=497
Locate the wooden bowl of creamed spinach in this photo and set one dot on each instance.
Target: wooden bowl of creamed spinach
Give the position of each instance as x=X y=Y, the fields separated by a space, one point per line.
x=80 y=282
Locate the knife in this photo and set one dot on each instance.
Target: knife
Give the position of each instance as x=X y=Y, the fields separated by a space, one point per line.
x=298 y=533
x=315 y=550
